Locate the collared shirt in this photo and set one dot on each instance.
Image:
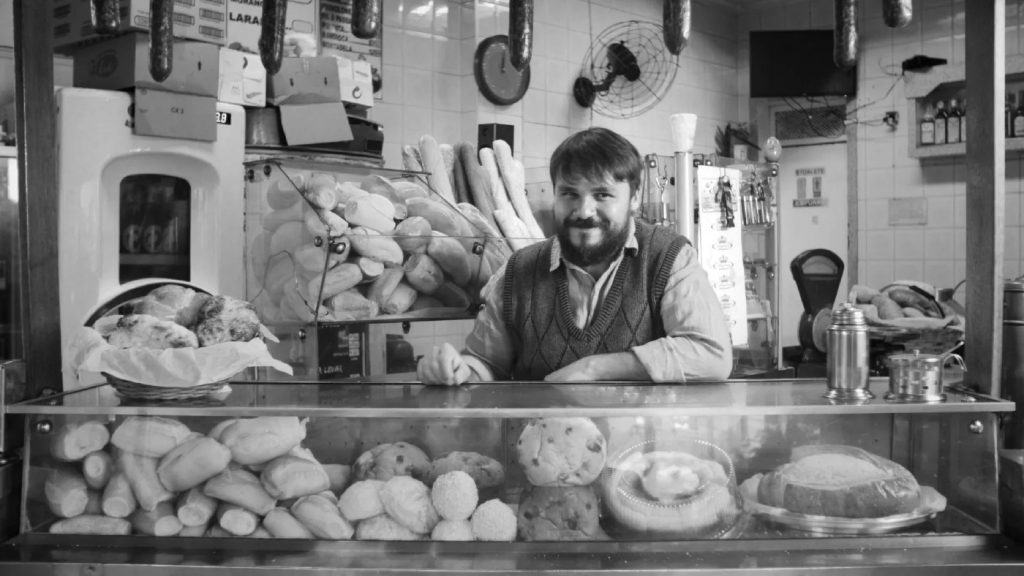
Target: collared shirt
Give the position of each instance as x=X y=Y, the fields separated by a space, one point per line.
x=696 y=345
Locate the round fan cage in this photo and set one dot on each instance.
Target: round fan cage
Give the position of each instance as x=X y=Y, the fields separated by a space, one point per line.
x=625 y=98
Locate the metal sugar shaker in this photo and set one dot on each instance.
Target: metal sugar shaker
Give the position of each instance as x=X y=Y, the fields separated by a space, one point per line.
x=848 y=358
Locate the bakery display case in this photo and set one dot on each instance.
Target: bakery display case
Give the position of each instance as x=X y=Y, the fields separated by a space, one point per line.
x=339 y=250
x=403 y=478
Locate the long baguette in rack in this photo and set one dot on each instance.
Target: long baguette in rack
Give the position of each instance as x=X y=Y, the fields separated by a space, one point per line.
x=448 y=155
x=433 y=164
x=515 y=231
x=459 y=184
x=411 y=159
x=498 y=195
x=514 y=177
x=477 y=180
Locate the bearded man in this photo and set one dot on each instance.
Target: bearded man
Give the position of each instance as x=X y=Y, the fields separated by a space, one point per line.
x=609 y=297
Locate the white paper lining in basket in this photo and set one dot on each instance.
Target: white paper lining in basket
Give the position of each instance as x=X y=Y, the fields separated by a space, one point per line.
x=171 y=368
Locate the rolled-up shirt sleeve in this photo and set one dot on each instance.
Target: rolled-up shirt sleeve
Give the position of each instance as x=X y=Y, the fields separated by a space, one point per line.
x=696 y=345
x=488 y=348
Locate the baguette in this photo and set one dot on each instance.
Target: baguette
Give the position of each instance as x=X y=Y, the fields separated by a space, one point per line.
x=371 y=268
x=141 y=474
x=371 y=211
x=194 y=531
x=477 y=180
x=281 y=524
x=92 y=524
x=240 y=487
x=433 y=164
x=372 y=244
x=192 y=463
x=236 y=520
x=97 y=468
x=413 y=234
x=423 y=273
x=352 y=305
x=67 y=494
x=322 y=518
x=401 y=299
x=291 y=476
x=450 y=256
x=376 y=184
x=195 y=508
x=513 y=177
x=384 y=286
x=338 y=279
x=459 y=185
x=499 y=198
x=75 y=440
x=411 y=159
x=259 y=440
x=477 y=219
x=448 y=156
x=442 y=218
x=118 y=499
x=321 y=192
x=151 y=436
x=161 y=521
x=94 y=503
x=406 y=190
x=512 y=227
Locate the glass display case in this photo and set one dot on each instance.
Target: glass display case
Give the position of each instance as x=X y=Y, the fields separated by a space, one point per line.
x=502 y=475
x=343 y=255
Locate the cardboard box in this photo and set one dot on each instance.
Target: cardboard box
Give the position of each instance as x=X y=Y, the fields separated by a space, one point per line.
x=123 y=62
x=359 y=90
x=171 y=115
x=321 y=123
x=202 y=20
x=322 y=79
x=302 y=36
x=243 y=79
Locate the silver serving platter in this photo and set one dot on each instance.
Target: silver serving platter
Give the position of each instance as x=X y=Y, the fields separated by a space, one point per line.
x=931 y=504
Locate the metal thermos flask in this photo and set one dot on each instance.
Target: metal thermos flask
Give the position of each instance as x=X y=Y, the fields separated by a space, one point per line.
x=847 y=351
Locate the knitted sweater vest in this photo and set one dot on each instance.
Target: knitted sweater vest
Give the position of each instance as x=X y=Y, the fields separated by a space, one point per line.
x=539 y=316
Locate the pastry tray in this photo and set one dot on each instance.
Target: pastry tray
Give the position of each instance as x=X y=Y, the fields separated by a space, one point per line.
x=931 y=504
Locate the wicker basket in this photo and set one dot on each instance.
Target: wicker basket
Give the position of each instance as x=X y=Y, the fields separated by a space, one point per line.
x=137 y=391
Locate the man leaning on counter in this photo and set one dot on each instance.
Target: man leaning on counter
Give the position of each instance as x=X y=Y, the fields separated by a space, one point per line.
x=580 y=305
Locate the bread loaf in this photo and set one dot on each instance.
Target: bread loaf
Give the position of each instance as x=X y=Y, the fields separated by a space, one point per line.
x=195 y=508
x=92 y=524
x=291 y=476
x=66 y=493
x=151 y=436
x=75 y=440
x=161 y=521
x=281 y=524
x=259 y=440
x=322 y=518
x=840 y=481
x=236 y=520
x=141 y=474
x=413 y=234
x=192 y=463
x=118 y=499
x=237 y=486
x=97 y=468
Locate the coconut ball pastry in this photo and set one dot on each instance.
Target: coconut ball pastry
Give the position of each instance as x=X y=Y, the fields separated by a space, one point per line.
x=494 y=521
x=561 y=451
x=454 y=495
x=550 y=513
x=407 y=501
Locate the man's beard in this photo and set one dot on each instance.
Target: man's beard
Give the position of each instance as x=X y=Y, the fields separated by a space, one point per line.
x=606 y=250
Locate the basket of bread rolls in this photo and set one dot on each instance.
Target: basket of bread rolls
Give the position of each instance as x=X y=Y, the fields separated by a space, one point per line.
x=174 y=341
x=909 y=313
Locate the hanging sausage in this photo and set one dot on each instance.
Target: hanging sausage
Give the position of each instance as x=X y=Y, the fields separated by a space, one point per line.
x=106 y=16
x=161 y=39
x=520 y=32
x=365 y=18
x=271 y=42
x=897 y=13
x=676 y=25
x=845 y=35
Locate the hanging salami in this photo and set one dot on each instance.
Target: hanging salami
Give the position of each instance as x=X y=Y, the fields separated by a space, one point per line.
x=271 y=42
x=520 y=32
x=676 y=25
x=161 y=39
x=897 y=13
x=365 y=18
x=844 y=52
x=106 y=16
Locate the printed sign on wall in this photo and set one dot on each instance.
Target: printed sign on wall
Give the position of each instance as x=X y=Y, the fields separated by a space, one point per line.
x=809 y=191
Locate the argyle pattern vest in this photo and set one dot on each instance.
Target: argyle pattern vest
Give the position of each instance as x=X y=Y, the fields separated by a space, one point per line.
x=539 y=316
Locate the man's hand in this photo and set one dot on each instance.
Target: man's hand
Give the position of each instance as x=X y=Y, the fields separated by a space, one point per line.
x=444 y=365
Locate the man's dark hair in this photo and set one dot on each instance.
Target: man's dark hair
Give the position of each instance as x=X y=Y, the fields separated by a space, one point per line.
x=595 y=153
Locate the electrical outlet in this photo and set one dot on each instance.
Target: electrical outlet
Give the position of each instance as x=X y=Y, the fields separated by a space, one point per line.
x=891 y=119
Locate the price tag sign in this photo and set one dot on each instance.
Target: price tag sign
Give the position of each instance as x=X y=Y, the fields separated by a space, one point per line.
x=224 y=118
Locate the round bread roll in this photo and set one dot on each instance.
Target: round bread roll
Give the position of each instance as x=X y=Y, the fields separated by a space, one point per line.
x=384 y=527
x=454 y=495
x=551 y=513
x=485 y=471
x=407 y=500
x=561 y=451
x=494 y=521
x=385 y=461
x=453 y=531
x=361 y=500
x=227 y=319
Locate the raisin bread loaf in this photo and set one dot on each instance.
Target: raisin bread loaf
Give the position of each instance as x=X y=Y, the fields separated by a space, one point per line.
x=840 y=481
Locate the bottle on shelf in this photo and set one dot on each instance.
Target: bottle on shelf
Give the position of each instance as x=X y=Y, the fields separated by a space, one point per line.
x=941 y=118
x=1018 y=117
x=953 y=122
x=1011 y=107
x=928 y=126
x=963 y=119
